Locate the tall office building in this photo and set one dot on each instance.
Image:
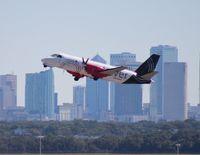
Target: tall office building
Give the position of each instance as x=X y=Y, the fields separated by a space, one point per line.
x=79 y=101
x=56 y=103
x=175 y=105
x=125 y=99
x=97 y=96
x=8 y=92
x=199 y=79
x=39 y=94
x=1 y=99
x=167 y=54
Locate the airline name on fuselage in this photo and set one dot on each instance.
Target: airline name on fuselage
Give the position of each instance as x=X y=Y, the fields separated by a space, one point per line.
x=120 y=75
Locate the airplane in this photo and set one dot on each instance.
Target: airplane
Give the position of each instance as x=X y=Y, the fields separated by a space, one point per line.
x=81 y=67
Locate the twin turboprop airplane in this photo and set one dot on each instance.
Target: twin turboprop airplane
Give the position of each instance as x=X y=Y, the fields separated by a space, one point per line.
x=80 y=67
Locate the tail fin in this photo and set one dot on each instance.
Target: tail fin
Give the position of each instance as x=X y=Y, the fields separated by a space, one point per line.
x=148 y=66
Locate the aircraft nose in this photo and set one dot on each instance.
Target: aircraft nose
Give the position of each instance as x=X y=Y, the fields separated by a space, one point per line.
x=50 y=62
x=46 y=62
x=43 y=60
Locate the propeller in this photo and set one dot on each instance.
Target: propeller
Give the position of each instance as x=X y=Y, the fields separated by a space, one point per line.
x=85 y=62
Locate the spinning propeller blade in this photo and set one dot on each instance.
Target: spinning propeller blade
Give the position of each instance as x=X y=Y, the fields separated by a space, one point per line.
x=85 y=62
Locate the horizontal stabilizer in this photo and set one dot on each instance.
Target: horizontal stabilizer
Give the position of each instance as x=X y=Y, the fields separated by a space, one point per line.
x=113 y=70
x=148 y=76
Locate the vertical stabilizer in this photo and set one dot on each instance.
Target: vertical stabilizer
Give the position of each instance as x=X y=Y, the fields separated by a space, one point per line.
x=148 y=66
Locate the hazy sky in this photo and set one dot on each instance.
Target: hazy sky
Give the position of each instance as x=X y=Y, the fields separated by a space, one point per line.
x=33 y=29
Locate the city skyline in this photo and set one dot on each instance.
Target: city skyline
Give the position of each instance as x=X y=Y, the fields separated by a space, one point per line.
x=83 y=84
x=32 y=30
x=42 y=100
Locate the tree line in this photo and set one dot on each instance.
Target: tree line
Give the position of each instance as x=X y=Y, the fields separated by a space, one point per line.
x=91 y=136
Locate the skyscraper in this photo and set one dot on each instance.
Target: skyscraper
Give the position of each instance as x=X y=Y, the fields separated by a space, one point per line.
x=125 y=99
x=1 y=99
x=199 y=79
x=97 y=96
x=79 y=101
x=8 y=92
x=167 y=54
x=56 y=103
x=39 y=94
x=175 y=105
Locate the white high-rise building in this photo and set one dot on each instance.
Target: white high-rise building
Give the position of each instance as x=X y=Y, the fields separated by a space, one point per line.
x=79 y=101
x=125 y=99
x=8 y=92
x=175 y=87
x=167 y=54
x=199 y=79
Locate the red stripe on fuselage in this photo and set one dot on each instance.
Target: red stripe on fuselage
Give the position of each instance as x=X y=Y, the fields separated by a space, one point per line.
x=95 y=70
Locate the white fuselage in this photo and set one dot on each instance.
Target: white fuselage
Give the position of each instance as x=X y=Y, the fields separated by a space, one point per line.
x=75 y=64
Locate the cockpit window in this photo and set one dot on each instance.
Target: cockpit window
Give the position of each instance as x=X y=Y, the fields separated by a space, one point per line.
x=57 y=55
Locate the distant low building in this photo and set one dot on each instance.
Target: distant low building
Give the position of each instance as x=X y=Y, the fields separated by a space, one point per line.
x=15 y=114
x=79 y=101
x=146 y=108
x=132 y=118
x=66 y=112
x=194 y=112
x=8 y=92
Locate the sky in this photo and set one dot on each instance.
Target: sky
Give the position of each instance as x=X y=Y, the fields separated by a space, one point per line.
x=34 y=29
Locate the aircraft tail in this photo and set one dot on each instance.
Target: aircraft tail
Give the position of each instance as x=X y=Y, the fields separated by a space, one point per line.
x=146 y=70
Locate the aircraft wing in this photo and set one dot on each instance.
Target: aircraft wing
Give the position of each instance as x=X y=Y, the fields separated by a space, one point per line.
x=113 y=70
